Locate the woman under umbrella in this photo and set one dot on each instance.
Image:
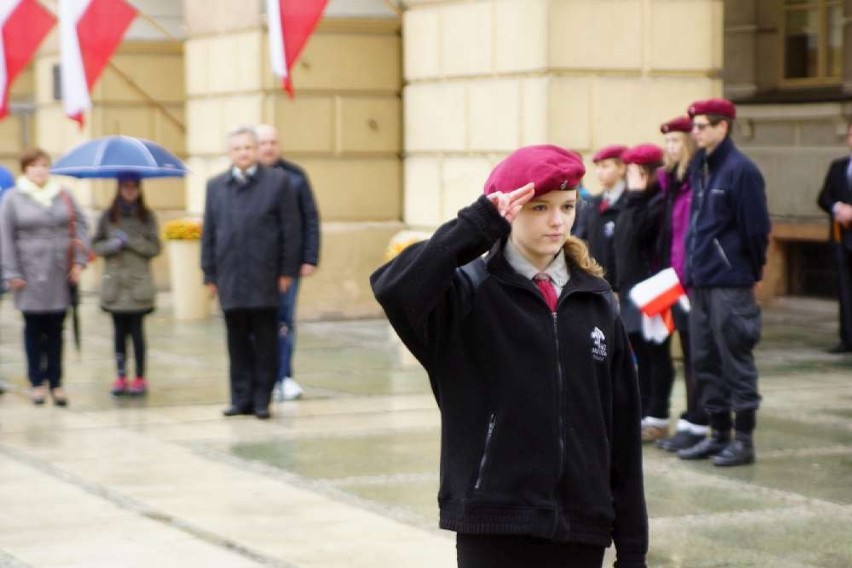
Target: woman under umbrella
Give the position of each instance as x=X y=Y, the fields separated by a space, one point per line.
x=44 y=249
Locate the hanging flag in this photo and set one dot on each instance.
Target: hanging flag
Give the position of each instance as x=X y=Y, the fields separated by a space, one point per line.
x=90 y=31
x=23 y=26
x=291 y=23
x=655 y=297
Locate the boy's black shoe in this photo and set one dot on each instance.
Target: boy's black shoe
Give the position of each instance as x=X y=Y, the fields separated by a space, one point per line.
x=682 y=440
x=839 y=348
x=262 y=413
x=706 y=448
x=739 y=451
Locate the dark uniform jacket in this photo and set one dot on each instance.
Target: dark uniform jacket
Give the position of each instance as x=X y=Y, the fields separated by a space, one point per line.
x=729 y=229
x=250 y=238
x=598 y=229
x=308 y=213
x=539 y=410
x=836 y=187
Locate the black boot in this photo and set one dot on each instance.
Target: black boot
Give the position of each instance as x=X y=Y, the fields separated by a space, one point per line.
x=740 y=451
x=682 y=440
x=707 y=447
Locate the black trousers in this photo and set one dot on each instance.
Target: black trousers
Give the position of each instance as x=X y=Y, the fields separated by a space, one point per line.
x=656 y=374
x=843 y=258
x=694 y=413
x=725 y=327
x=129 y=324
x=499 y=551
x=253 y=350
x=43 y=344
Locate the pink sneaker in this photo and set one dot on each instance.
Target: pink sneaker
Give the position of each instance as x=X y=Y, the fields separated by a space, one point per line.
x=138 y=386
x=119 y=387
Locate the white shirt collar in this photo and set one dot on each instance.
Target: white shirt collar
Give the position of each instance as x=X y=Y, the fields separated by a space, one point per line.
x=614 y=194
x=557 y=270
x=238 y=174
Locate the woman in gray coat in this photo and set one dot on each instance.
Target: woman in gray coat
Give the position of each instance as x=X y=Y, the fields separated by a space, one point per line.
x=44 y=248
x=127 y=237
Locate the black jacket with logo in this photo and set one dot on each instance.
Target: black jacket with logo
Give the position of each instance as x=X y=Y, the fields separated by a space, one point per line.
x=540 y=411
x=598 y=228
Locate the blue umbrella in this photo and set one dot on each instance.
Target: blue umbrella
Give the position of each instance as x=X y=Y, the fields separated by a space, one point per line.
x=119 y=156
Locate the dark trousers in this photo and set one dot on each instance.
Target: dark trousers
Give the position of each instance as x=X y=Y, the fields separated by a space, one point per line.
x=124 y=325
x=43 y=344
x=656 y=374
x=253 y=350
x=843 y=257
x=725 y=327
x=287 y=330
x=694 y=413
x=499 y=551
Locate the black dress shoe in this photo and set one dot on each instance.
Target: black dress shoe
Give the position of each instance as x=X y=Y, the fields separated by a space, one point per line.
x=682 y=440
x=705 y=448
x=739 y=451
x=838 y=349
x=236 y=411
x=262 y=414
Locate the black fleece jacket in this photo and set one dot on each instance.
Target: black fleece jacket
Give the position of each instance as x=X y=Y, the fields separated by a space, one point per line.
x=540 y=411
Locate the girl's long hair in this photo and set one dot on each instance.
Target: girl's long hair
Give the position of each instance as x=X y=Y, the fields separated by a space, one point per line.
x=680 y=167
x=578 y=255
x=141 y=210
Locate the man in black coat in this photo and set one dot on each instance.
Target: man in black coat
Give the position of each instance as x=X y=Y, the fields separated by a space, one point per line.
x=836 y=200
x=250 y=254
x=269 y=154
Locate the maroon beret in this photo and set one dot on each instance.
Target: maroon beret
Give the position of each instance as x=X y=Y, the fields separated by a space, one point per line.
x=609 y=152
x=679 y=124
x=548 y=167
x=643 y=155
x=719 y=107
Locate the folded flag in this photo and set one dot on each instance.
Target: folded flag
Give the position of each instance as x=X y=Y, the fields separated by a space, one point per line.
x=655 y=297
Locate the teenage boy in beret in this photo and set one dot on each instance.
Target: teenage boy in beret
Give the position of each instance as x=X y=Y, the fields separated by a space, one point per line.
x=596 y=224
x=726 y=250
x=541 y=459
x=836 y=200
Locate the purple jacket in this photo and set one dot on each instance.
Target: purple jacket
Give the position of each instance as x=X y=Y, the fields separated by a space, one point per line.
x=678 y=199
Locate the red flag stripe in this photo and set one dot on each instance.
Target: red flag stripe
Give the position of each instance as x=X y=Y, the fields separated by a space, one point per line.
x=24 y=30
x=299 y=18
x=99 y=32
x=663 y=301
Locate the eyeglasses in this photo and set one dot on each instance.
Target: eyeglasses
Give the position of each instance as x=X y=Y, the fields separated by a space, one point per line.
x=700 y=126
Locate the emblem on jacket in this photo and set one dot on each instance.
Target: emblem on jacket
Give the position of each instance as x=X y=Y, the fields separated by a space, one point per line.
x=598 y=344
x=609 y=229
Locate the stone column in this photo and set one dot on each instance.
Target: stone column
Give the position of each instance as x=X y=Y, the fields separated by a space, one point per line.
x=484 y=77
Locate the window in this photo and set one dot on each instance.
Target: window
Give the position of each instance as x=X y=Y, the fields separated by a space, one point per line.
x=813 y=41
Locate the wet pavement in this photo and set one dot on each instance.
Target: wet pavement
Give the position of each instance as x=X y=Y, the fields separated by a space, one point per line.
x=347 y=477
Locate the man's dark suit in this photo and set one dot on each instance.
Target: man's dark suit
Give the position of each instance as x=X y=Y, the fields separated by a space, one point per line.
x=837 y=188
x=251 y=238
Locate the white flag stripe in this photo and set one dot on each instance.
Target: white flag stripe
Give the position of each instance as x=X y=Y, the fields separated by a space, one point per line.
x=649 y=289
x=277 y=57
x=75 y=92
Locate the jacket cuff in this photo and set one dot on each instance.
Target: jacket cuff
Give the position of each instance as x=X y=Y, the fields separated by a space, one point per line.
x=485 y=217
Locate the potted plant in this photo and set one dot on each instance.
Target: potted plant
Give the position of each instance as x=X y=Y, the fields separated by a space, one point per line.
x=190 y=298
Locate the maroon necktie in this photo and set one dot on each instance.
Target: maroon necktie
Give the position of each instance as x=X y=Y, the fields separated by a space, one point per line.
x=547 y=290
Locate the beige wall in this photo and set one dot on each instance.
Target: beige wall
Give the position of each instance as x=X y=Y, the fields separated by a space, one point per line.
x=343 y=127
x=485 y=77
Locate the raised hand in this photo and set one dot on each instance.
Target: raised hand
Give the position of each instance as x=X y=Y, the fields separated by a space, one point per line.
x=510 y=204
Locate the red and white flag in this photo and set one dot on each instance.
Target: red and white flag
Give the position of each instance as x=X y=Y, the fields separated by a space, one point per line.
x=291 y=23
x=23 y=26
x=655 y=297
x=90 y=31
